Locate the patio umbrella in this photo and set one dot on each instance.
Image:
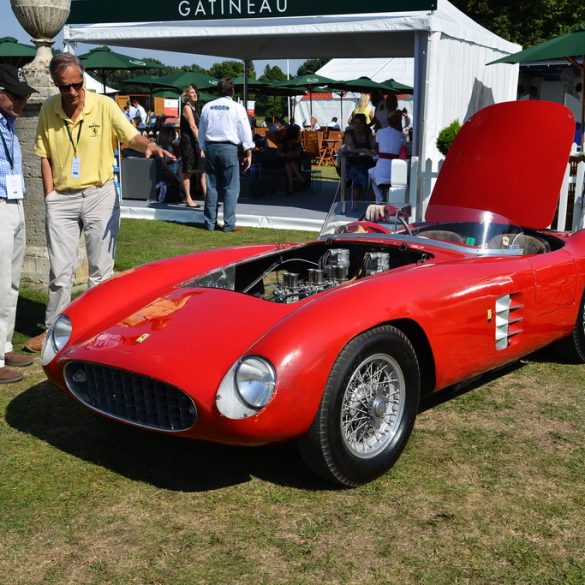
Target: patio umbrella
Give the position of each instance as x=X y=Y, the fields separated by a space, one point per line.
x=570 y=47
x=184 y=78
x=366 y=85
x=308 y=82
x=253 y=84
x=104 y=61
x=149 y=81
x=393 y=85
x=15 y=53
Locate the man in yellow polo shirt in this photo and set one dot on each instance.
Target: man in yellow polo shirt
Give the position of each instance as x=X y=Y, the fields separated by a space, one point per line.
x=77 y=135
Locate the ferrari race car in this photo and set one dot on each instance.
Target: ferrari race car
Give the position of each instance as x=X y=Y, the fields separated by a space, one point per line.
x=333 y=343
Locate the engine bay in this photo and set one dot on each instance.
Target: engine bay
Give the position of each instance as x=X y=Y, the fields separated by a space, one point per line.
x=291 y=275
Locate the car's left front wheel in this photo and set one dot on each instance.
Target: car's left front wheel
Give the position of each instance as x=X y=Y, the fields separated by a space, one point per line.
x=367 y=411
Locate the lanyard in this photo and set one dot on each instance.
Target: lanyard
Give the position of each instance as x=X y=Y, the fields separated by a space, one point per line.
x=74 y=144
x=9 y=155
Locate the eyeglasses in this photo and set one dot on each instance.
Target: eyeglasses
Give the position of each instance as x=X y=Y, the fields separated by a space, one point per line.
x=67 y=86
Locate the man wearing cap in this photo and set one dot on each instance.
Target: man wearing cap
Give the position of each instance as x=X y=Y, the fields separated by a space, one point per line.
x=77 y=135
x=14 y=92
x=223 y=126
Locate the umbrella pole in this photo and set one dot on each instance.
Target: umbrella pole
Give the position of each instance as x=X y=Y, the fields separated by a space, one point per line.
x=582 y=103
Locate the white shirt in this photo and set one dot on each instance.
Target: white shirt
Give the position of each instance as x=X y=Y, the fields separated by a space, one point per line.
x=389 y=141
x=140 y=111
x=224 y=120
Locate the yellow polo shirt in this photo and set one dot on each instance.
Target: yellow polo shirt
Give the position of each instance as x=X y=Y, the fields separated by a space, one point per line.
x=99 y=127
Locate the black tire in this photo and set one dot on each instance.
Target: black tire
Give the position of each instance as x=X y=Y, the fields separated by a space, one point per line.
x=358 y=432
x=573 y=347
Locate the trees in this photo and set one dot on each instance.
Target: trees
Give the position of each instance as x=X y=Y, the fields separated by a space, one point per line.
x=232 y=69
x=265 y=104
x=526 y=22
x=311 y=65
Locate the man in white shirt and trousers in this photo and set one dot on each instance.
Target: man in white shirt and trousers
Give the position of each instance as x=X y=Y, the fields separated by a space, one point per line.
x=223 y=126
x=14 y=93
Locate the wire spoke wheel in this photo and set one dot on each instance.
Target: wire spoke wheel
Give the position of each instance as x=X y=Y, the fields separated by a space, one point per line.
x=372 y=405
x=368 y=409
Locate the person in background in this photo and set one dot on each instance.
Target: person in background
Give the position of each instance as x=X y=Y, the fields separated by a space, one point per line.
x=127 y=112
x=406 y=122
x=359 y=147
x=223 y=128
x=291 y=151
x=384 y=110
x=191 y=160
x=390 y=141
x=14 y=93
x=168 y=174
x=334 y=124
x=77 y=134
x=140 y=113
x=363 y=107
x=314 y=124
x=132 y=111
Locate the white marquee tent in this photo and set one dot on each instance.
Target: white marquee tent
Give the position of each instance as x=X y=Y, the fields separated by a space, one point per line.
x=449 y=49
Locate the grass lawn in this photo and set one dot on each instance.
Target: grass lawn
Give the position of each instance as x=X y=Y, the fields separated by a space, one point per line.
x=490 y=489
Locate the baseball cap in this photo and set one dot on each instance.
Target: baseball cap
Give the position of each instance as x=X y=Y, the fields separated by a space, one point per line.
x=13 y=80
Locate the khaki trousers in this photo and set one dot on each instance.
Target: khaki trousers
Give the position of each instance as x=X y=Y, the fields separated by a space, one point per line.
x=95 y=212
x=12 y=244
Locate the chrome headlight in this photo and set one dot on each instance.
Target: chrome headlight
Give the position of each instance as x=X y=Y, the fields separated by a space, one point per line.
x=57 y=336
x=255 y=379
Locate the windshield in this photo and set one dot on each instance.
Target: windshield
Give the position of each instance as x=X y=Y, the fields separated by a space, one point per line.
x=477 y=231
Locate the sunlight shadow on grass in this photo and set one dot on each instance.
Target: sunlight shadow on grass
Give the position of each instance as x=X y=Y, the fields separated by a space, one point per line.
x=161 y=460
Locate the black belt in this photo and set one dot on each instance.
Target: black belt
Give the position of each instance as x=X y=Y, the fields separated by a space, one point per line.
x=220 y=142
x=5 y=200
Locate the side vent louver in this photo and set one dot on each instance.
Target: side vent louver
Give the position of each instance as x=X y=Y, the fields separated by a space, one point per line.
x=509 y=318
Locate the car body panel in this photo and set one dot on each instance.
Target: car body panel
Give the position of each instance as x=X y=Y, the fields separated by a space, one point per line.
x=510 y=170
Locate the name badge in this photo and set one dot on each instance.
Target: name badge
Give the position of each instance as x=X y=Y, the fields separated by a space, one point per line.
x=75 y=167
x=14 y=187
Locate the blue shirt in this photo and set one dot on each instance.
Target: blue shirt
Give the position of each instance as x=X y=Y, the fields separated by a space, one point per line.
x=13 y=145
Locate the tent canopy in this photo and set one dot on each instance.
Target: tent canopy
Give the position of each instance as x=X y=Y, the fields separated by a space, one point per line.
x=450 y=50
x=362 y=35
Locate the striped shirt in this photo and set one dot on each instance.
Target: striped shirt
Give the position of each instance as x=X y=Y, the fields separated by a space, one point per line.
x=14 y=152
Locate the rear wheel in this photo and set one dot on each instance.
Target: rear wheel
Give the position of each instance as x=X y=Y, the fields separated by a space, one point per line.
x=573 y=347
x=367 y=411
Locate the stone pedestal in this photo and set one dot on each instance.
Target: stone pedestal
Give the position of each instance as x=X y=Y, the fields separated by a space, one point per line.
x=43 y=22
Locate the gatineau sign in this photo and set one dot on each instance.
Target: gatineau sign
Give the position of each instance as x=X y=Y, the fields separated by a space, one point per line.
x=92 y=12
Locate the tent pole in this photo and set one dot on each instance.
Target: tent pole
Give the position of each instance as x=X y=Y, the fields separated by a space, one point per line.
x=581 y=66
x=245 y=88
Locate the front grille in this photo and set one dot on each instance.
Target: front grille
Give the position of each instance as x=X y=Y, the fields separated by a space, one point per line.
x=130 y=397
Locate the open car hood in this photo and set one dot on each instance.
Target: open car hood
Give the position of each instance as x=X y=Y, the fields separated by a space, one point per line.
x=509 y=159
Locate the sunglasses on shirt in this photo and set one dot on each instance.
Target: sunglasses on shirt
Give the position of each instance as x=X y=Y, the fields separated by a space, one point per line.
x=68 y=86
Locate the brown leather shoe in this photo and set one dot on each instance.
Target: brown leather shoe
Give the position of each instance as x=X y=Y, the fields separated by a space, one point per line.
x=17 y=360
x=35 y=344
x=8 y=376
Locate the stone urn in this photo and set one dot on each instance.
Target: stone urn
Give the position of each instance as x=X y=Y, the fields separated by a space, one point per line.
x=43 y=21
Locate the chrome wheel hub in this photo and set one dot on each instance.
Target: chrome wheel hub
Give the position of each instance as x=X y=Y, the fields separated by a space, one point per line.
x=372 y=406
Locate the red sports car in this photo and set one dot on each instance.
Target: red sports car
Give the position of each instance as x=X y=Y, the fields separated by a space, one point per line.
x=334 y=342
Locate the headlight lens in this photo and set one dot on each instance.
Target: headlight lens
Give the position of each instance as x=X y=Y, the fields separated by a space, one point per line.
x=61 y=332
x=57 y=336
x=255 y=380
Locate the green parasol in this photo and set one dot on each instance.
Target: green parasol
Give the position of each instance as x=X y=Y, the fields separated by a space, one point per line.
x=104 y=61
x=570 y=46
